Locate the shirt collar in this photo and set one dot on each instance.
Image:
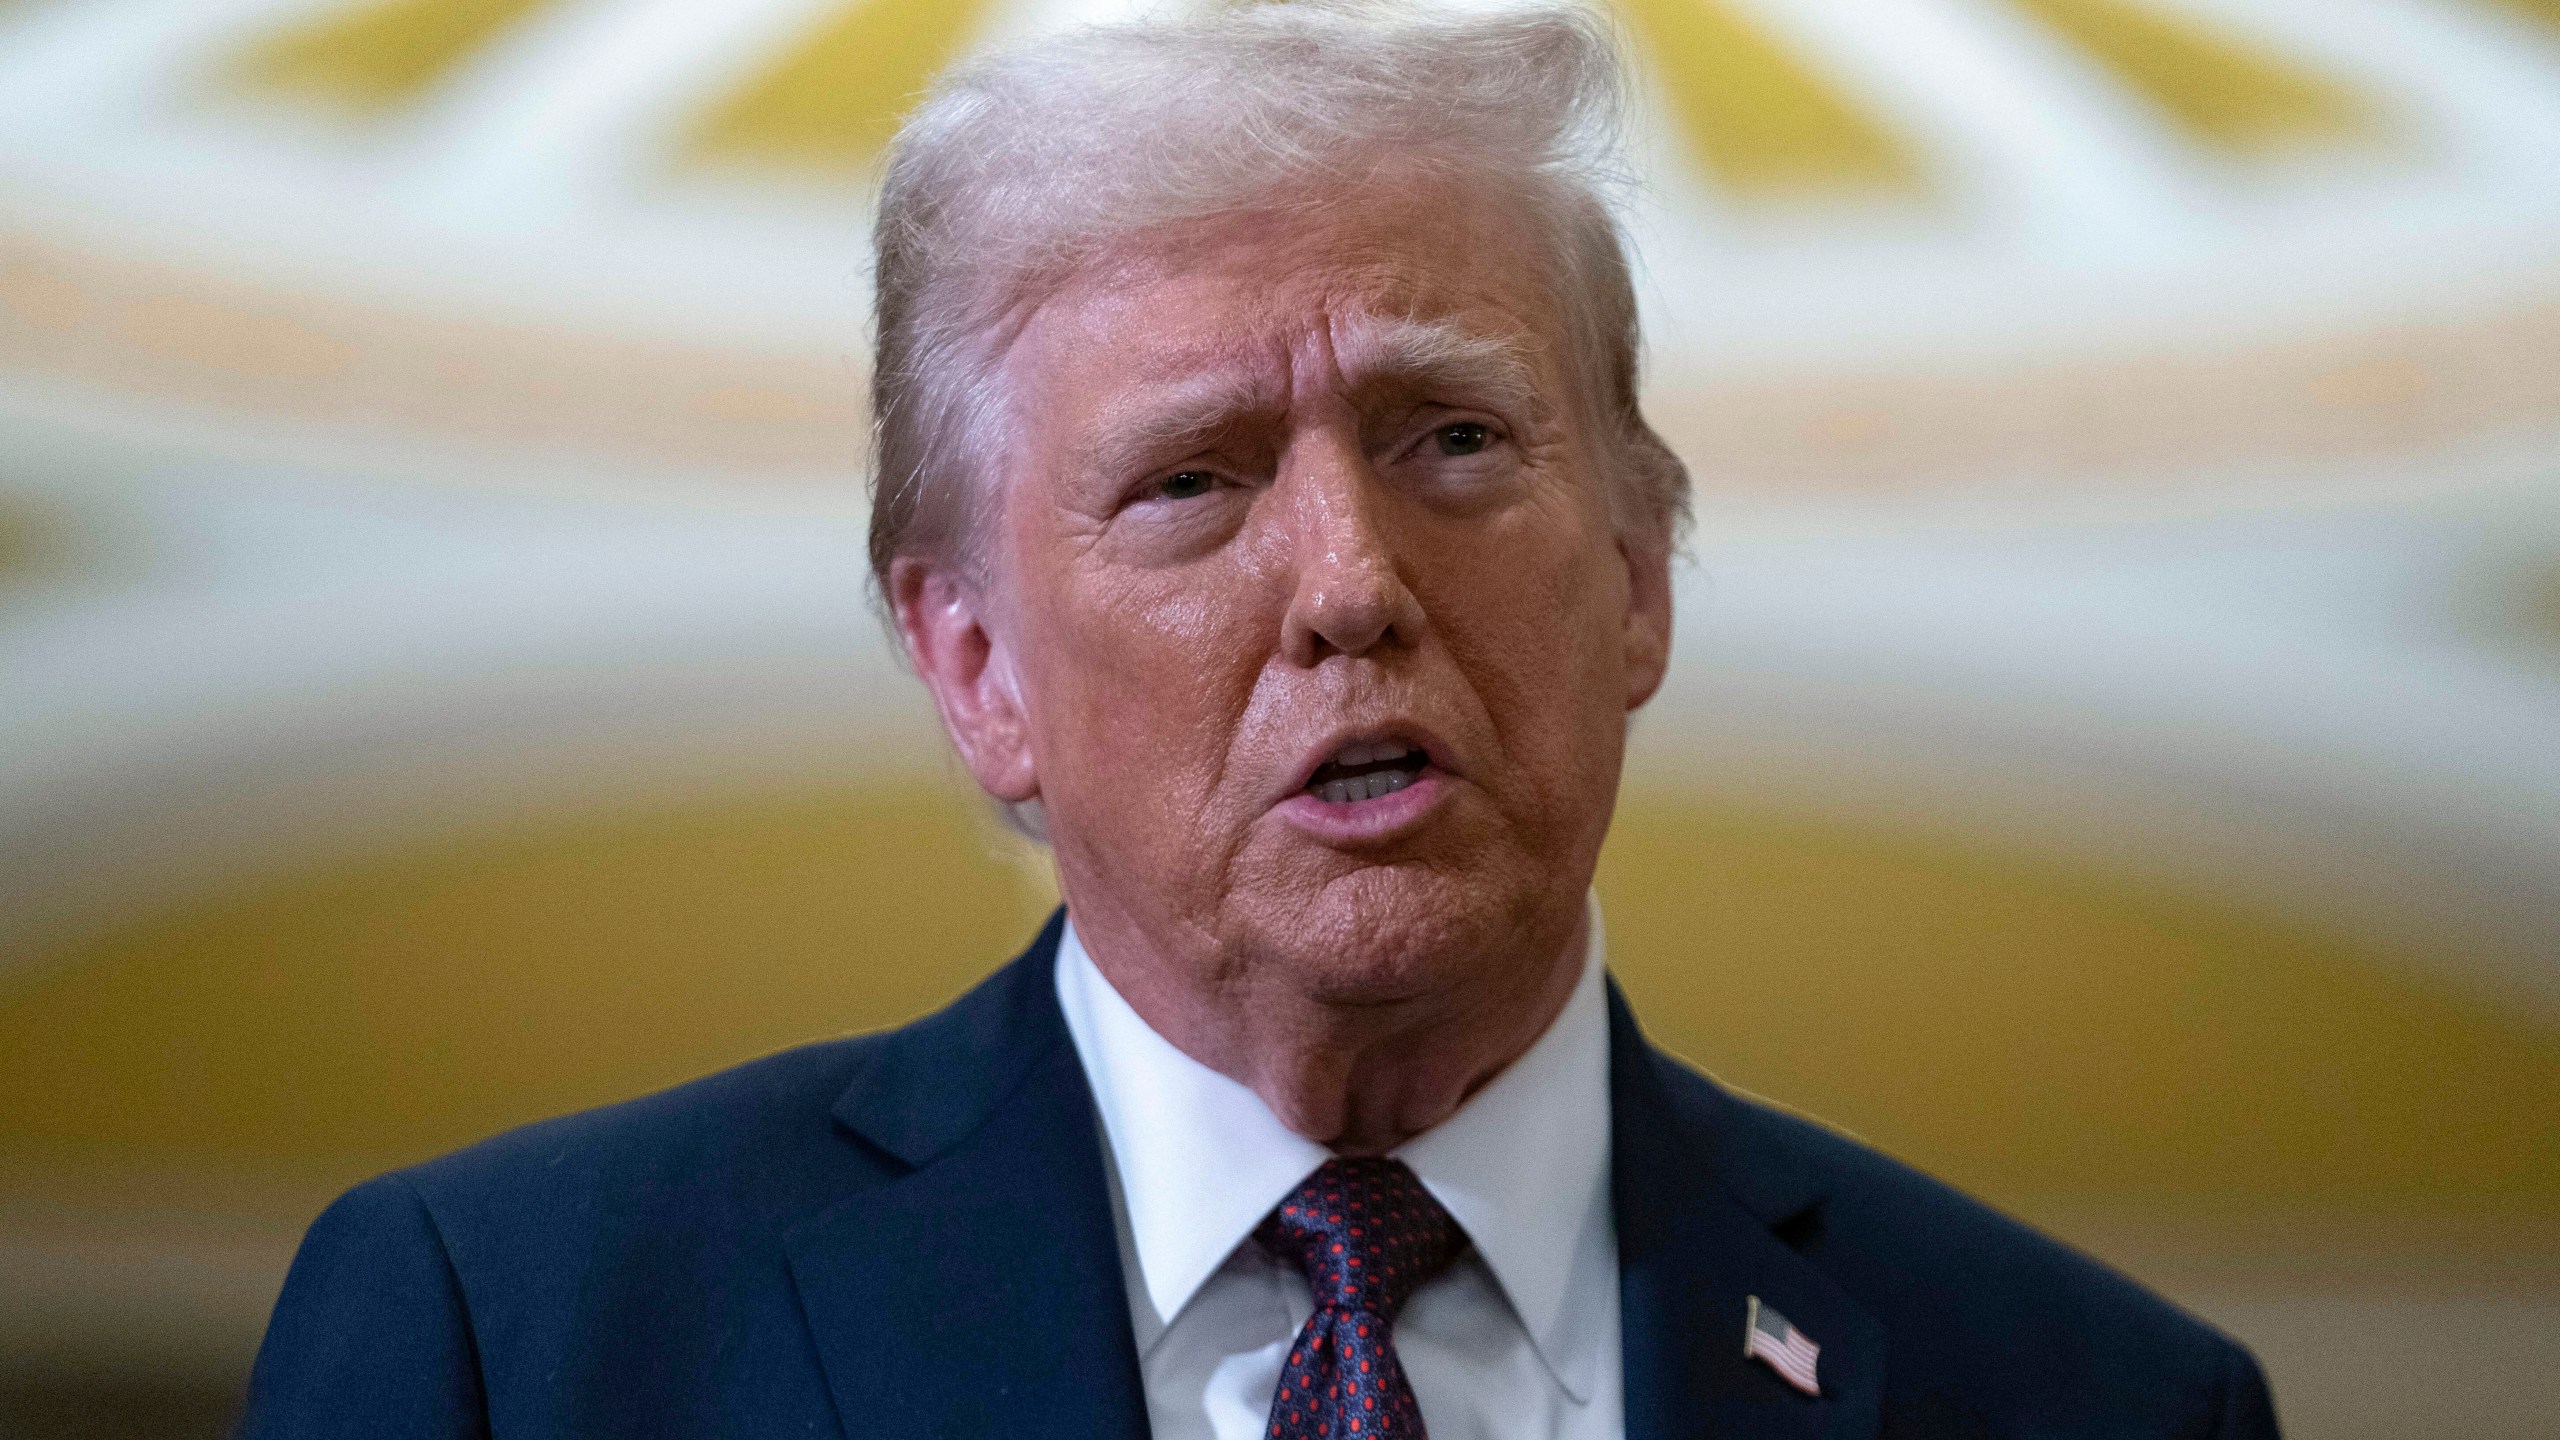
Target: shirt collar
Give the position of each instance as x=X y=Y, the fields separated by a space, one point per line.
x=1523 y=1165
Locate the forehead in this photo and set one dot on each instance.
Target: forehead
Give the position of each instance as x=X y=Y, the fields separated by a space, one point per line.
x=1270 y=289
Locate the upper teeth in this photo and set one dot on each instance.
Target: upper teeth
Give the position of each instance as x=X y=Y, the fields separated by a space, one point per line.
x=1364 y=787
x=1357 y=754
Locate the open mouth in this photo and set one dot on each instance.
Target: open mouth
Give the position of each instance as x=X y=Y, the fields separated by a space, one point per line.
x=1360 y=772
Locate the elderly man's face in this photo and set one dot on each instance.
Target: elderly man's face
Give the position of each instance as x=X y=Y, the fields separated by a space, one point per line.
x=1308 y=621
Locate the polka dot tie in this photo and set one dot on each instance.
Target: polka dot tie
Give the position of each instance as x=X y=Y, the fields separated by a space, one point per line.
x=1366 y=1233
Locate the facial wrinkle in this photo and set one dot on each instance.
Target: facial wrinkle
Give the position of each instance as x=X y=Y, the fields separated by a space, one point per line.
x=1437 y=362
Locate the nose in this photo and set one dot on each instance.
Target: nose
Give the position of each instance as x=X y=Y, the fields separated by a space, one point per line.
x=1351 y=596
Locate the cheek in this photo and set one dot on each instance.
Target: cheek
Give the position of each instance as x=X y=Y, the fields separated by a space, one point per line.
x=1141 y=674
x=1534 y=622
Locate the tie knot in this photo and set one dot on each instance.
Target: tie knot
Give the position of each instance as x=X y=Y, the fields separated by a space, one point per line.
x=1365 y=1232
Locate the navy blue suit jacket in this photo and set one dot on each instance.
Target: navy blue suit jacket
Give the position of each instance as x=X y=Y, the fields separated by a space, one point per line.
x=910 y=1234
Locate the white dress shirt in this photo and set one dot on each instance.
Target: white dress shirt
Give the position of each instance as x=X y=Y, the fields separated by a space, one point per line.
x=1518 y=1338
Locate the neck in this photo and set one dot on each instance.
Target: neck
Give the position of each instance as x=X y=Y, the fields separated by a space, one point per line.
x=1360 y=1077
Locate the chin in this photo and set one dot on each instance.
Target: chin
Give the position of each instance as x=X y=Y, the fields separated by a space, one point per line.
x=1389 y=934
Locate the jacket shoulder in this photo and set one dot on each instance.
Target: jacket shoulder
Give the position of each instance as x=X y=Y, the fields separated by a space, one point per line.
x=677 y=1180
x=1993 y=1324
x=624 y=1269
x=754 y=1122
x=494 y=1284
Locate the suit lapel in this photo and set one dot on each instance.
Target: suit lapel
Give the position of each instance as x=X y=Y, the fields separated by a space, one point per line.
x=980 y=1292
x=1698 y=1209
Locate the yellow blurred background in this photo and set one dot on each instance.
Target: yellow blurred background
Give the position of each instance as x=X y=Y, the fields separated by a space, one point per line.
x=2112 y=759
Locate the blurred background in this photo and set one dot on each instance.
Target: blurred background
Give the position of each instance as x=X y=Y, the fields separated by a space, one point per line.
x=2112 y=760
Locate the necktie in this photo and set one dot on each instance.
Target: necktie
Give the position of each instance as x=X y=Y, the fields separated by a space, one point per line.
x=1365 y=1233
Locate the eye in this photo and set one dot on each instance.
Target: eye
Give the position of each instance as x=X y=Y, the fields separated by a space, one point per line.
x=1464 y=438
x=1186 y=485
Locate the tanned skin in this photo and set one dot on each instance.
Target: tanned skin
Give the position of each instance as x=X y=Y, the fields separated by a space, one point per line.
x=1243 y=514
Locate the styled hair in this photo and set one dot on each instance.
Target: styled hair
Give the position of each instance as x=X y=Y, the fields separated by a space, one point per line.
x=1026 y=163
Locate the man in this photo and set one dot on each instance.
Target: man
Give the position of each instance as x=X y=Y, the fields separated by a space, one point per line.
x=1262 y=497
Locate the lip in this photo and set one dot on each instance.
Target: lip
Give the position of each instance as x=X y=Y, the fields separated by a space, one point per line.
x=1368 y=820
x=1433 y=748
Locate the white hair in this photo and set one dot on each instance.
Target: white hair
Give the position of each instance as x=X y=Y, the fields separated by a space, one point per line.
x=1024 y=164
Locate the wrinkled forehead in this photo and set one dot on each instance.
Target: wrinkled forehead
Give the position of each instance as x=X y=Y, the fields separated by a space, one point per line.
x=1373 y=297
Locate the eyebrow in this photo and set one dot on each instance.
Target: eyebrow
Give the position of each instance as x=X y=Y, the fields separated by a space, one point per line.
x=1436 y=356
x=1373 y=352
x=1177 y=419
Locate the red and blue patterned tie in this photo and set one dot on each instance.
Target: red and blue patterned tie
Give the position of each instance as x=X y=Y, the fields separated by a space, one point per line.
x=1366 y=1233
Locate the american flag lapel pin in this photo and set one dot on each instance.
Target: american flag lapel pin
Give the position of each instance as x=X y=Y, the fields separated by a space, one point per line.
x=1768 y=1338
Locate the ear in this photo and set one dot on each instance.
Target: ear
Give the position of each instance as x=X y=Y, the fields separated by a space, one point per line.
x=963 y=660
x=1648 y=629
